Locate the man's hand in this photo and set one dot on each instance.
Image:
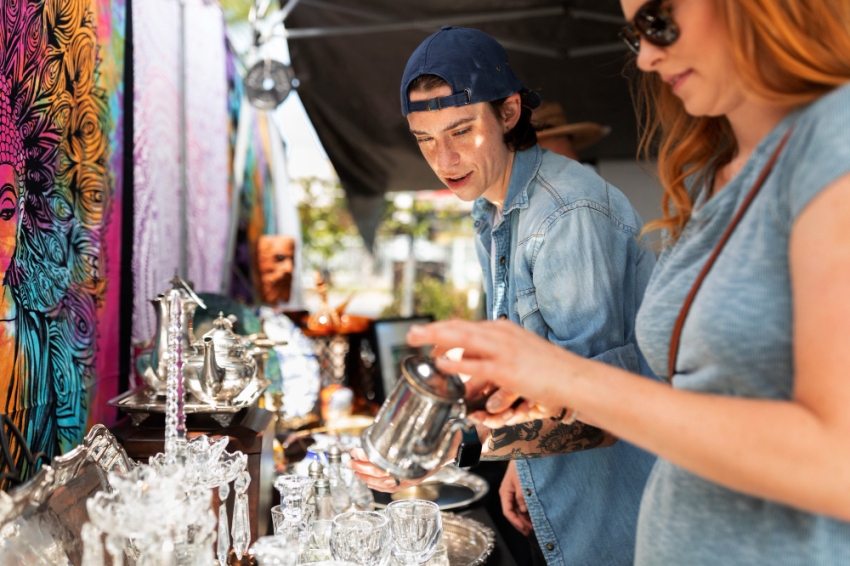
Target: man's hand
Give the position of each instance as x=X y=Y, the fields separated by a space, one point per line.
x=375 y=477
x=379 y=480
x=513 y=502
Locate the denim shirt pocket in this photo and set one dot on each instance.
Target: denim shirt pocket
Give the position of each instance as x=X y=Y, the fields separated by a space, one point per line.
x=624 y=357
x=526 y=303
x=528 y=312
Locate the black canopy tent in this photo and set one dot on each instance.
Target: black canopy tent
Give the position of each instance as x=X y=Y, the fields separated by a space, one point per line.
x=349 y=56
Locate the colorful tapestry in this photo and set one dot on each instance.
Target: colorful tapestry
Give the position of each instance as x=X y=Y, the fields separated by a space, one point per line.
x=157 y=151
x=61 y=95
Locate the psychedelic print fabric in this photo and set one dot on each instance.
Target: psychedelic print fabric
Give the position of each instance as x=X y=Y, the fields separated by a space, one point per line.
x=61 y=93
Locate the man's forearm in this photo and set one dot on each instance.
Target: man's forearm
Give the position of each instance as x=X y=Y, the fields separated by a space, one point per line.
x=539 y=438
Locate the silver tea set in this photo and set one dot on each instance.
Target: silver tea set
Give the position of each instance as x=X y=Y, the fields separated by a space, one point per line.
x=217 y=367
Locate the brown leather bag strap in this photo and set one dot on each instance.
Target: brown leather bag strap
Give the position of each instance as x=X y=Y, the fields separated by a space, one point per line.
x=683 y=314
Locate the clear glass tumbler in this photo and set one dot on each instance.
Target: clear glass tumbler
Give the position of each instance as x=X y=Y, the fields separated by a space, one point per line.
x=416 y=527
x=275 y=551
x=362 y=537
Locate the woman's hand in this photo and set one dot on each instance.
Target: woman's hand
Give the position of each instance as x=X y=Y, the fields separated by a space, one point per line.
x=503 y=353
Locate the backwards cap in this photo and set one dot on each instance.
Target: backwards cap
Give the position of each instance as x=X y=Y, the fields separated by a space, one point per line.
x=474 y=64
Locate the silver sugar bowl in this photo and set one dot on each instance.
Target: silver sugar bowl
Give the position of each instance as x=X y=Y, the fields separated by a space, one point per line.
x=221 y=368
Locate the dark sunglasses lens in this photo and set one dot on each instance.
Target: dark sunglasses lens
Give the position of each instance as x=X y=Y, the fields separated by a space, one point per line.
x=654 y=22
x=628 y=35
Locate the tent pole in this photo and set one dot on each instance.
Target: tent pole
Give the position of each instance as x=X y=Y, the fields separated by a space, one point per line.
x=459 y=19
x=184 y=221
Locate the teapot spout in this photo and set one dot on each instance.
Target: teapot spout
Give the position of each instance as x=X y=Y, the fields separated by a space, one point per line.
x=160 y=341
x=211 y=374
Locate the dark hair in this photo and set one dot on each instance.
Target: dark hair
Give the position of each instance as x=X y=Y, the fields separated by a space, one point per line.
x=519 y=138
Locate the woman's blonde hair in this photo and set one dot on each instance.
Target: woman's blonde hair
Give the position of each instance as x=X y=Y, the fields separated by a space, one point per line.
x=786 y=51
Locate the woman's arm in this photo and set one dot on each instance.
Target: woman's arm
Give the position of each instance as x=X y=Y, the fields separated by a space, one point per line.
x=794 y=452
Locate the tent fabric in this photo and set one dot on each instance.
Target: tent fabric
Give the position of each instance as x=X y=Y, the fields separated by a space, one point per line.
x=349 y=84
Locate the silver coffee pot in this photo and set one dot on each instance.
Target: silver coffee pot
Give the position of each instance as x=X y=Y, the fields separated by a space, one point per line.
x=154 y=370
x=414 y=428
x=221 y=367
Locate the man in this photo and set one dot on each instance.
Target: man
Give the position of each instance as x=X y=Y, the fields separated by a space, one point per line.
x=559 y=250
x=555 y=134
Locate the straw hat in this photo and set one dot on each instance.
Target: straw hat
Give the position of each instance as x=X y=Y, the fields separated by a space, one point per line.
x=549 y=121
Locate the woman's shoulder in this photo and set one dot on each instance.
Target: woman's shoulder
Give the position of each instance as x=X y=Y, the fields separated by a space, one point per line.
x=818 y=152
x=824 y=122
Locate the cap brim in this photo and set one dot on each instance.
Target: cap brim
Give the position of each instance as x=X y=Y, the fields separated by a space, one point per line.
x=583 y=134
x=533 y=99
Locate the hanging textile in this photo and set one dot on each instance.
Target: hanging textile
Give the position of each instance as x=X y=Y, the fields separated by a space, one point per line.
x=265 y=207
x=157 y=150
x=61 y=136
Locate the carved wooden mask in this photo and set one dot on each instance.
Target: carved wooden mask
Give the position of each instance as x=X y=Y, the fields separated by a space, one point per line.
x=275 y=262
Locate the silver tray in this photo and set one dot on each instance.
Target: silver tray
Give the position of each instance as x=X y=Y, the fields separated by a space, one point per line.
x=457 y=492
x=467 y=541
x=139 y=405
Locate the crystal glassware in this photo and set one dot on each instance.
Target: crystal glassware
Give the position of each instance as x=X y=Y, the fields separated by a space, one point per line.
x=362 y=537
x=319 y=543
x=278 y=519
x=293 y=496
x=275 y=551
x=417 y=528
x=440 y=557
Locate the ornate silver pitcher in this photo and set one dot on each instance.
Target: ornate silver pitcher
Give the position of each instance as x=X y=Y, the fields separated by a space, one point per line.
x=155 y=372
x=414 y=428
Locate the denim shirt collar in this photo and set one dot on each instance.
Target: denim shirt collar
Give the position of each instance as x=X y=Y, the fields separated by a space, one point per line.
x=525 y=167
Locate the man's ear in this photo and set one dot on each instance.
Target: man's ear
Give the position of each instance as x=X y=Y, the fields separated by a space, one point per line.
x=511 y=111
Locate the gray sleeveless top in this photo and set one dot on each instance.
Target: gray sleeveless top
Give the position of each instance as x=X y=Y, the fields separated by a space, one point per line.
x=737 y=341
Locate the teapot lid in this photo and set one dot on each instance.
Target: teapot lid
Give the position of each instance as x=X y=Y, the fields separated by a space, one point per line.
x=421 y=372
x=222 y=333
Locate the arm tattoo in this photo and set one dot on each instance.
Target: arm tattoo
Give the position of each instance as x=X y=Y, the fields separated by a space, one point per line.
x=523 y=432
x=571 y=438
x=559 y=440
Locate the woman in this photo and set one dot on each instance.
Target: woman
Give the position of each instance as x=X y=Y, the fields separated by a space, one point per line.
x=752 y=436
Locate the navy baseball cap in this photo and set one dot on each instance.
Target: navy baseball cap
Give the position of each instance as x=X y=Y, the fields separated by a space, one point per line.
x=474 y=64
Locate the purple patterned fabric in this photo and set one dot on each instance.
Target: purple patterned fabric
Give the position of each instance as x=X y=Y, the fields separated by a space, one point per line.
x=208 y=144
x=157 y=175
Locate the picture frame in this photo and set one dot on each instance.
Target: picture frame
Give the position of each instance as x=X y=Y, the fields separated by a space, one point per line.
x=391 y=348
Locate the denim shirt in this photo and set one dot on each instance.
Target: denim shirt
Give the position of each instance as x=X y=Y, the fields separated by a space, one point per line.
x=570 y=268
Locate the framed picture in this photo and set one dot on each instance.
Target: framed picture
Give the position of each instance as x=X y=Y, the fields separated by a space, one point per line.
x=392 y=349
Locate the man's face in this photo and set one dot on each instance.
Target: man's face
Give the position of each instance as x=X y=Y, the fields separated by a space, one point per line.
x=464 y=145
x=275 y=255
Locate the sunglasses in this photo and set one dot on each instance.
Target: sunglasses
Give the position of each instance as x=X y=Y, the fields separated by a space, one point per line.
x=654 y=22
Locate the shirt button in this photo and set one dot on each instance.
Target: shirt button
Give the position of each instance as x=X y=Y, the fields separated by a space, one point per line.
x=550 y=546
x=527 y=491
x=502 y=260
x=503 y=316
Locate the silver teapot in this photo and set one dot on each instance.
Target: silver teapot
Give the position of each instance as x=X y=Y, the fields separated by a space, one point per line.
x=153 y=366
x=414 y=428
x=221 y=367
